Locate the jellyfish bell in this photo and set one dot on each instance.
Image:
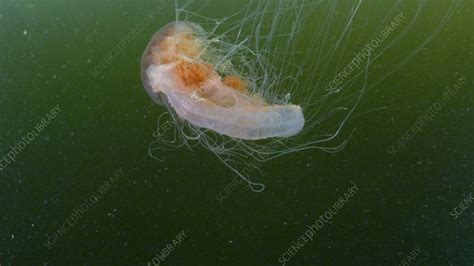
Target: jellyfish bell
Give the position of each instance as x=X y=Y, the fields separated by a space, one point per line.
x=174 y=69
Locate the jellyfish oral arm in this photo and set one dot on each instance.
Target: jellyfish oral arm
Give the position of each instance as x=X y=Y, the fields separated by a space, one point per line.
x=226 y=110
x=243 y=123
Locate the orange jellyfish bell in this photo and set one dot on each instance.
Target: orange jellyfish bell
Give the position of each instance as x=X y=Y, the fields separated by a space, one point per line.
x=173 y=68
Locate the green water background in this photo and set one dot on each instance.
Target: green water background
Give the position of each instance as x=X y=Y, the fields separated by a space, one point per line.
x=107 y=122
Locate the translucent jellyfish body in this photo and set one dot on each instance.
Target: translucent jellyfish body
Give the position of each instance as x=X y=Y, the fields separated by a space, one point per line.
x=237 y=75
x=178 y=68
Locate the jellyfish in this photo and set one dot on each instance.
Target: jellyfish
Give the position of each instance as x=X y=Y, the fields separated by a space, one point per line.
x=274 y=77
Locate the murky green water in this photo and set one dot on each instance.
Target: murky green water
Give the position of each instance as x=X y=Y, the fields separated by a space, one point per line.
x=96 y=143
